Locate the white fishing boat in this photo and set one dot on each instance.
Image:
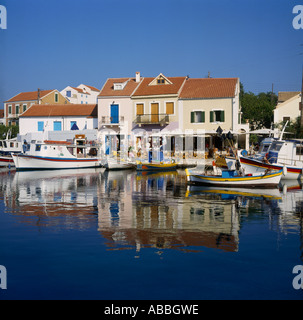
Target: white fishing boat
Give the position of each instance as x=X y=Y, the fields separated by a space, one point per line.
x=117 y=163
x=281 y=154
x=234 y=179
x=7 y=146
x=58 y=155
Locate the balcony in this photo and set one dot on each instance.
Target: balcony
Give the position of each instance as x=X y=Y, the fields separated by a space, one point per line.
x=111 y=121
x=161 y=119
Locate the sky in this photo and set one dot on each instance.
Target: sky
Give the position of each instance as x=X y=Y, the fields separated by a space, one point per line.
x=53 y=44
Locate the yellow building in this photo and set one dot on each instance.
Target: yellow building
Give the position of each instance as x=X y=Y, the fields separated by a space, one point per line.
x=18 y=104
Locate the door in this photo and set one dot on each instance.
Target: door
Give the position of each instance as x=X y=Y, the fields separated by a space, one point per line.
x=155 y=112
x=114 y=113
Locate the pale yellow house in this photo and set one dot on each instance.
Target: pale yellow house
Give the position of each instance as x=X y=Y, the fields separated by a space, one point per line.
x=289 y=109
x=209 y=103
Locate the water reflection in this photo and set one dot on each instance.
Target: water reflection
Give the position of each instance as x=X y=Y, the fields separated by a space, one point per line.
x=133 y=210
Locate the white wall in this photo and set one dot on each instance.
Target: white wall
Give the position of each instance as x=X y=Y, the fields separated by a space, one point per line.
x=81 y=98
x=125 y=110
x=30 y=124
x=289 y=108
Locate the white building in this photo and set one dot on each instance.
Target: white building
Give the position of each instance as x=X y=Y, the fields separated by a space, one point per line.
x=61 y=120
x=82 y=94
x=288 y=110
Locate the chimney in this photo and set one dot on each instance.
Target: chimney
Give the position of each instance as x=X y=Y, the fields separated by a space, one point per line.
x=137 y=76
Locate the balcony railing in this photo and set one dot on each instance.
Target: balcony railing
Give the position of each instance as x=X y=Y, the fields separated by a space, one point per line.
x=160 y=118
x=111 y=120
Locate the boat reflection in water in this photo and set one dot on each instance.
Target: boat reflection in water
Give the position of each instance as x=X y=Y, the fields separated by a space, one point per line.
x=134 y=210
x=62 y=199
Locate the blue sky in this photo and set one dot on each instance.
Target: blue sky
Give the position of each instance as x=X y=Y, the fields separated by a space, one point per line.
x=53 y=44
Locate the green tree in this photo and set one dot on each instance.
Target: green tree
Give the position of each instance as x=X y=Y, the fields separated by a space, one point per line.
x=293 y=127
x=258 y=109
x=4 y=130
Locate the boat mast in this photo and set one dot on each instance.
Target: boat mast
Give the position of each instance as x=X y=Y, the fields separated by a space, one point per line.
x=282 y=132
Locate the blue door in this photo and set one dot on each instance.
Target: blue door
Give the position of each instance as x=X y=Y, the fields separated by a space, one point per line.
x=114 y=113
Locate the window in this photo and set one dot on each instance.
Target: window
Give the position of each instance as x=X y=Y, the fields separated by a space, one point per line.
x=9 y=109
x=56 y=97
x=57 y=126
x=217 y=116
x=38 y=147
x=170 y=108
x=24 y=107
x=140 y=109
x=40 y=125
x=286 y=119
x=160 y=81
x=73 y=124
x=17 y=109
x=68 y=93
x=299 y=150
x=197 y=117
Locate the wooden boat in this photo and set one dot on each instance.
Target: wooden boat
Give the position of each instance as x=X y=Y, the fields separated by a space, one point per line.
x=231 y=193
x=117 y=164
x=57 y=155
x=156 y=166
x=231 y=178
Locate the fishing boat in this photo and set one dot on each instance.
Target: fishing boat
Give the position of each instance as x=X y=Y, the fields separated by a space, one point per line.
x=7 y=146
x=234 y=179
x=117 y=164
x=48 y=155
x=156 y=166
x=281 y=154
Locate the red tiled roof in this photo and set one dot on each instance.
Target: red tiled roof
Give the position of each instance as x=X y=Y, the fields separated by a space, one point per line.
x=92 y=88
x=209 y=88
x=29 y=96
x=108 y=88
x=145 y=89
x=53 y=110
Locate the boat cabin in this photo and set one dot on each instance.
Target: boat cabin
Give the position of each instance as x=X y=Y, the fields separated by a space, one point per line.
x=286 y=152
x=79 y=147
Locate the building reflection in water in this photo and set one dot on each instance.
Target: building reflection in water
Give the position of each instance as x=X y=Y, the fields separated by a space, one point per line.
x=158 y=213
x=139 y=211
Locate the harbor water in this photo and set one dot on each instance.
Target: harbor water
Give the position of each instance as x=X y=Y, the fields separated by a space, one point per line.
x=123 y=235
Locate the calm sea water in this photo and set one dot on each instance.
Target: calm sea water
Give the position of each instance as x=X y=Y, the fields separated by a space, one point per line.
x=92 y=234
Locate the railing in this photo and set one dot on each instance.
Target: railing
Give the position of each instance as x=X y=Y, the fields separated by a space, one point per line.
x=111 y=120
x=160 y=118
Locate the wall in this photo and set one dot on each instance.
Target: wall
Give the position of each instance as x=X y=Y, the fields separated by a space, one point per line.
x=289 y=108
x=207 y=105
x=30 y=124
x=50 y=99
